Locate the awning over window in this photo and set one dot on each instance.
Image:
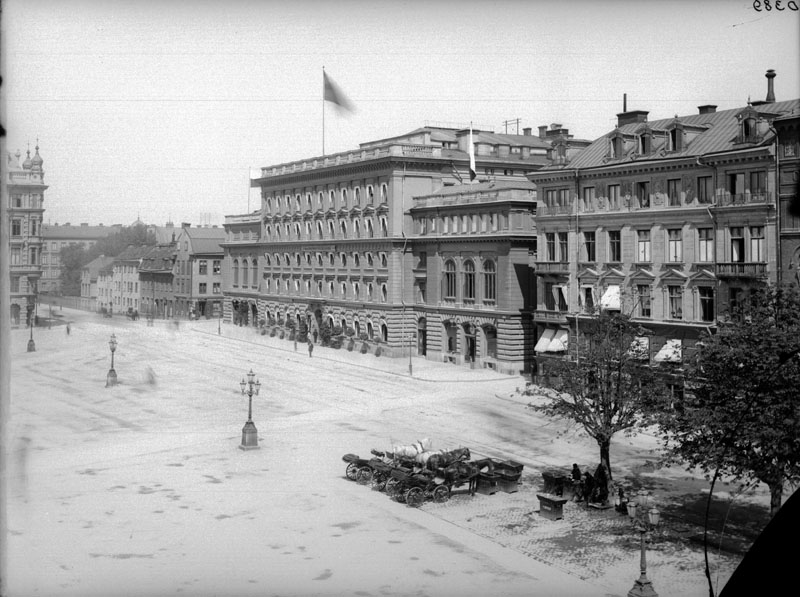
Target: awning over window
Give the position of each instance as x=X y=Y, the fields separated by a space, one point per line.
x=559 y=341
x=544 y=340
x=669 y=353
x=610 y=298
x=640 y=348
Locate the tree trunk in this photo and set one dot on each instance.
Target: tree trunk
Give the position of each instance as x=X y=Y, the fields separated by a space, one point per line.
x=605 y=455
x=775 y=497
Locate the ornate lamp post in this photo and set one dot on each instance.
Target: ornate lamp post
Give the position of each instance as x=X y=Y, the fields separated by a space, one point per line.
x=249 y=431
x=642 y=587
x=111 y=378
x=31 y=343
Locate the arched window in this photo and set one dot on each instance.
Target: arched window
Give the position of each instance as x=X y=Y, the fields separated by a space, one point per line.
x=277 y=259
x=297 y=229
x=370 y=291
x=331 y=289
x=288 y=203
x=320 y=200
x=357 y=196
x=370 y=330
x=370 y=194
x=356 y=229
x=287 y=259
x=331 y=259
x=288 y=230
x=319 y=287
x=331 y=199
x=356 y=260
x=384 y=193
x=384 y=332
x=343 y=228
x=370 y=230
x=331 y=229
x=384 y=227
x=343 y=257
x=235 y=272
x=320 y=230
x=383 y=260
x=269 y=232
x=297 y=260
x=254 y=280
x=308 y=286
x=344 y=290
x=297 y=206
x=356 y=290
x=489 y=281
x=308 y=258
x=244 y=272
x=450 y=279
x=369 y=259
x=384 y=293
x=278 y=230
x=344 y=197
x=309 y=205
x=268 y=260
x=269 y=205
x=469 y=280
x=308 y=229
x=319 y=259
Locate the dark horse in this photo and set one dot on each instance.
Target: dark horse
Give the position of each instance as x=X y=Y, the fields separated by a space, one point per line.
x=443 y=459
x=462 y=472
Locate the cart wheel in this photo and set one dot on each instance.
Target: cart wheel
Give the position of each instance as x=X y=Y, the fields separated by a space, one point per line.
x=364 y=475
x=352 y=471
x=378 y=482
x=391 y=487
x=441 y=494
x=415 y=496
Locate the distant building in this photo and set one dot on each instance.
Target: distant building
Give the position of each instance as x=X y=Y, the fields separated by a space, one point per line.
x=55 y=237
x=25 y=186
x=156 y=276
x=671 y=221
x=198 y=271
x=118 y=283
x=788 y=159
x=89 y=282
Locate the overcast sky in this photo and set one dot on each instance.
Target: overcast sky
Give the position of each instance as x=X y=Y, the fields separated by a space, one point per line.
x=160 y=109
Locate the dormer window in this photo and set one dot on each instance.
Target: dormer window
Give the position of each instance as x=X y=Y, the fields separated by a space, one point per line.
x=748 y=126
x=676 y=138
x=646 y=142
x=616 y=146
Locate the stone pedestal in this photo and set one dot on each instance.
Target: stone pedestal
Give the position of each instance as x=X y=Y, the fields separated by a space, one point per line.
x=249 y=437
x=551 y=506
x=111 y=378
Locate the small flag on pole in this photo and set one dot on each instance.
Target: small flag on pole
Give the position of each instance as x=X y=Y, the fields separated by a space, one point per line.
x=332 y=93
x=473 y=174
x=456 y=173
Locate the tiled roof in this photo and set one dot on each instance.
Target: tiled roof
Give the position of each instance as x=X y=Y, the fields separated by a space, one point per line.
x=206 y=240
x=159 y=258
x=716 y=132
x=98 y=264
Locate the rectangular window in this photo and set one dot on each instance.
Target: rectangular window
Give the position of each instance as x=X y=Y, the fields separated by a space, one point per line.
x=589 y=246
x=550 y=197
x=561 y=298
x=202 y=267
x=217 y=267
x=705 y=242
x=706 y=294
x=202 y=289
x=675 y=302
x=643 y=194
x=550 y=244
x=643 y=246
x=563 y=197
x=615 y=246
x=737 y=244
x=757 y=253
x=16 y=256
x=705 y=189
x=674 y=191
x=675 y=245
x=549 y=296
x=645 y=300
x=588 y=198
x=736 y=184
x=587 y=296
x=758 y=183
x=16 y=227
x=613 y=196
x=563 y=246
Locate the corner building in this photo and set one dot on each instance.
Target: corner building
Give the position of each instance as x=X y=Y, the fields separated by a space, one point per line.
x=338 y=239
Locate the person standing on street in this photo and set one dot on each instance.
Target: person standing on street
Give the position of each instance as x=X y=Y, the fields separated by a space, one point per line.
x=310 y=348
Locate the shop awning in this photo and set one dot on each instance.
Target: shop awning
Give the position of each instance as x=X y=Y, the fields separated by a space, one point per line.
x=669 y=353
x=559 y=341
x=640 y=348
x=544 y=340
x=610 y=298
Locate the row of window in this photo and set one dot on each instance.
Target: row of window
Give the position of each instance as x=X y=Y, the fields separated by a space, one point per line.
x=469 y=281
x=17 y=227
x=341 y=259
x=33 y=201
x=345 y=197
x=736 y=184
x=352 y=290
x=17 y=255
x=746 y=243
x=462 y=224
x=319 y=231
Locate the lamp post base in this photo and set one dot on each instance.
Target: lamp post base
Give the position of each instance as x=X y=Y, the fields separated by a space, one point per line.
x=31 y=345
x=111 y=378
x=642 y=587
x=249 y=437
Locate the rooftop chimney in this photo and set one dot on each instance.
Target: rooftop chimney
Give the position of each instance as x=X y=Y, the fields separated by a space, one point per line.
x=632 y=117
x=707 y=109
x=526 y=131
x=543 y=131
x=624 y=102
x=770 y=89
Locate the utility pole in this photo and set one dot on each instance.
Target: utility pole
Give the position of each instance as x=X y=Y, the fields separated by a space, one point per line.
x=516 y=122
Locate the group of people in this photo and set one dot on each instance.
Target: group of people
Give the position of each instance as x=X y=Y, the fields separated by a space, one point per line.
x=590 y=488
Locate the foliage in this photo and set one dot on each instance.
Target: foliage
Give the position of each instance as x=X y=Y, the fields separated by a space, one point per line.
x=325 y=333
x=740 y=412
x=605 y=383
x=72 y=259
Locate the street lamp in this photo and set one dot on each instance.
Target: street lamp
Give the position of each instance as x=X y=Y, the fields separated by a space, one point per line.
x=111 y=378
x=249 y=431
x=642 y=587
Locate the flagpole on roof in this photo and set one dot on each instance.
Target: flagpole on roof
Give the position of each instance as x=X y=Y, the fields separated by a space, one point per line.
x=323 y=111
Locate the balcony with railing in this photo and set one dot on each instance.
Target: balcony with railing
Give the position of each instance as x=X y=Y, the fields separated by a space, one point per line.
x=551 y=267
x=741 y=270
x=553 y=210
x=731 y=199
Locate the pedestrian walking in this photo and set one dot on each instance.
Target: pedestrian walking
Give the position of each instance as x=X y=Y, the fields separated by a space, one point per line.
x=68 y=329
x=310 y=348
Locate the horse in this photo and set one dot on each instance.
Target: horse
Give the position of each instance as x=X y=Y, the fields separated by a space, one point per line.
x=443 y=459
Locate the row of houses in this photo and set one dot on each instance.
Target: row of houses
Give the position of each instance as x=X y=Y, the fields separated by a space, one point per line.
x=181 y=277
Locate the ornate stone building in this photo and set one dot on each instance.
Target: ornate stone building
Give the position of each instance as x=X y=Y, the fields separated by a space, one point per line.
x=671 y=221
x=54 y=238
x=25 y=190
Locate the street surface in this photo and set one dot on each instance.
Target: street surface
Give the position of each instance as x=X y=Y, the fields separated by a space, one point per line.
x=140 y=489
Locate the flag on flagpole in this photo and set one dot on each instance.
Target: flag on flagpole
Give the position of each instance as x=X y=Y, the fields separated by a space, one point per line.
x=473 y=173
x=456 y=173
x=332 y=93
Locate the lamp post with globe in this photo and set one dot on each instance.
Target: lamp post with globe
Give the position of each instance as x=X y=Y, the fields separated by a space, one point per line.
x=111 y=378
x=249 y=431
x=644 y=521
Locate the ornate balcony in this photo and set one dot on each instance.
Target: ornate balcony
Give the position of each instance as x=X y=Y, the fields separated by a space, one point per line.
x=552 y=267
x=741 y=270
x=729 y=199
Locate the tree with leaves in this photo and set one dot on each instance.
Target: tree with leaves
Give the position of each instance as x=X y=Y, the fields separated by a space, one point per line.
x=741 y=410
x=605 y=383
